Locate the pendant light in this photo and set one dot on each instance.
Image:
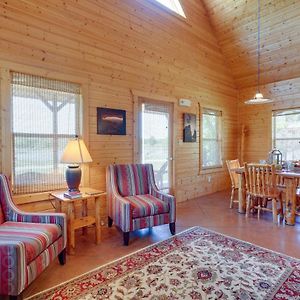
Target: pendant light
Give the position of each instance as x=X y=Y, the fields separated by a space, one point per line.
x=258 y=97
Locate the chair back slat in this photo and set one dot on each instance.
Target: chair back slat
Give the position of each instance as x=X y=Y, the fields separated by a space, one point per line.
x=260 y=179
x=234 y=177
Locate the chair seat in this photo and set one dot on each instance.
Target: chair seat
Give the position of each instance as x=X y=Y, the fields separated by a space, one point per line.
x=33 y=237
x=147 y=205
x=271 y=193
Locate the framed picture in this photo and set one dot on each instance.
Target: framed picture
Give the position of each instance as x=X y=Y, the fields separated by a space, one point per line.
x=111 y=121
x=189 y=130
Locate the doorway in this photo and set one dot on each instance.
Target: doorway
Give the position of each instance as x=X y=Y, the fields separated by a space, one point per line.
x=156 y=140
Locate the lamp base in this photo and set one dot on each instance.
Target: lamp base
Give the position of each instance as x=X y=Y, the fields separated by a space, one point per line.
x=73 y=178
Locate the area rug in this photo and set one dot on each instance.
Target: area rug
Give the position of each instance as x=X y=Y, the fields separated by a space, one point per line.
x=195 y=264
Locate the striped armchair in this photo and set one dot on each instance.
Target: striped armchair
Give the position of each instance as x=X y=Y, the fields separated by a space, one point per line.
x=134 y=200
x=29 y=242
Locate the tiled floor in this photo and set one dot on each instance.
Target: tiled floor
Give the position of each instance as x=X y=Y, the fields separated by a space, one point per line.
x=210 y=211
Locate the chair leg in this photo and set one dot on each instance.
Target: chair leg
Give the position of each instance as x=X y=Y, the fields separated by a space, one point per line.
x=281 y=207
x=274 y=210
x=62 y=257
x=126 y=238
x=172 y=228
x=18 y=297
x=248 y=205
x=109 y=221
x=231 y=198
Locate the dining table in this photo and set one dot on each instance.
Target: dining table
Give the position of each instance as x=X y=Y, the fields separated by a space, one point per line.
x=290 y=187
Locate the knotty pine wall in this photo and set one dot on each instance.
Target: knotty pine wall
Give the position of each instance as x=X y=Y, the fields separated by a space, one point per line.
x=118 y=47
x=257 y=119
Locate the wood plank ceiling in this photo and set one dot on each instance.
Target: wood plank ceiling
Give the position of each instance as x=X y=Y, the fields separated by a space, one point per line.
x=235 y=24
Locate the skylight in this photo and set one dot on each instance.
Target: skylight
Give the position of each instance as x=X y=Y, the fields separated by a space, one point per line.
x=174 y=5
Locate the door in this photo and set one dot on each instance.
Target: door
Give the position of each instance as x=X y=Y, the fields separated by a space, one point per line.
x=156 y=140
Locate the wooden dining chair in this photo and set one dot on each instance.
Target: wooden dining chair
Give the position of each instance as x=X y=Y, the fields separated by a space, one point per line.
x=234 y=177
x=261 y=188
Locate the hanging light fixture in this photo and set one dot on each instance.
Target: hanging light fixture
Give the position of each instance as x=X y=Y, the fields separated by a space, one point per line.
x=258 y=97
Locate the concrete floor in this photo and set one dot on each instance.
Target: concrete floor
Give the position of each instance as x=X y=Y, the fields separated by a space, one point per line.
x=211 y=212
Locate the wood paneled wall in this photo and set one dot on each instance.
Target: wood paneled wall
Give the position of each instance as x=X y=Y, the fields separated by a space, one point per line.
x=257 y=119
x=117 y=47
x=235 y=24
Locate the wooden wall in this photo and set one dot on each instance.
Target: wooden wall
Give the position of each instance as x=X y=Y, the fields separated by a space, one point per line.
x=235 y=24
x=257 y=119
x=118 y=47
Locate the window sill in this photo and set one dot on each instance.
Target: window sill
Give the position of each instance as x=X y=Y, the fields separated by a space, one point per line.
x=212 y=170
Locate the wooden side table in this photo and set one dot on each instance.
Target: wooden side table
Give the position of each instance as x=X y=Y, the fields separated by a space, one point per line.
x=85 y=219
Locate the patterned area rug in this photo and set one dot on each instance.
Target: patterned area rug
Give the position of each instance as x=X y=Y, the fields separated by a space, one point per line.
x=195 y=264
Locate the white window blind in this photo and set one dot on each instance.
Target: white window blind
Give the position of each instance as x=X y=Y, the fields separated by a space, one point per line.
x=45 y=115
x=211 y=139
x=286 y=133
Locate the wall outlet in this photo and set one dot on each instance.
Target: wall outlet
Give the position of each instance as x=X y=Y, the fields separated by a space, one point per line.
x=209 y=178
x=102 y=223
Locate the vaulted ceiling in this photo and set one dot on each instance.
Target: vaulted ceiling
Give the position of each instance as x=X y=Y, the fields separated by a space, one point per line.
x=235 y=24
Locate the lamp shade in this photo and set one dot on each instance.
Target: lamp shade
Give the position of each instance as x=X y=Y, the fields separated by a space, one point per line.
x=76 y=153
x=258 y=99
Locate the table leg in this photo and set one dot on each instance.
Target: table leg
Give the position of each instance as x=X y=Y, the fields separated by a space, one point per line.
x=290 y=204
x=71 y=230
x=97 y=219
x=242 y=194
x=84 y=214
x=57 y=205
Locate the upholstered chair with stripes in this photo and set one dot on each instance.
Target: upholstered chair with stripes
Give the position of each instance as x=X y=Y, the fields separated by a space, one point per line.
x=134 y=201
x=29 y=242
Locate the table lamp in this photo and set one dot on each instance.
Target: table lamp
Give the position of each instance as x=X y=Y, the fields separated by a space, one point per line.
x=75 y=154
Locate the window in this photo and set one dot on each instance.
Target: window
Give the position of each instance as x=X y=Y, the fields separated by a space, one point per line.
x=286 y=133
x=174 y=5
x=211 y=139
x=45 y=115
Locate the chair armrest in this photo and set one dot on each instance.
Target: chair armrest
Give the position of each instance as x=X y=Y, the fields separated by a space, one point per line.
x=47 y=218
x=166 y=198
x=13 y=271
x=121 y=212
x=119 y=207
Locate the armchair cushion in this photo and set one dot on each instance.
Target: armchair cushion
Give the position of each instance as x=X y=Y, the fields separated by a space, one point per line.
x=34 y=238
x=147 y=205
x=132 y=179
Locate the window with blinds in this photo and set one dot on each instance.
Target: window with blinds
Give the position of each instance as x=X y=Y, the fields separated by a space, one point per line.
x=286 y=133
x=211 y=139
x=45 y=115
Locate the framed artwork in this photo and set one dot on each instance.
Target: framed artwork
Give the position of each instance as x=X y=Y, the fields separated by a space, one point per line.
x=189 y=128
x=111 y=121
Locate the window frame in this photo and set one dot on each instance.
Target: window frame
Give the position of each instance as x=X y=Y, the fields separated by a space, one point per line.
x=53 y=136
x=169 y=10
x=6 y=117
x=219 y=113
x=277 y=113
